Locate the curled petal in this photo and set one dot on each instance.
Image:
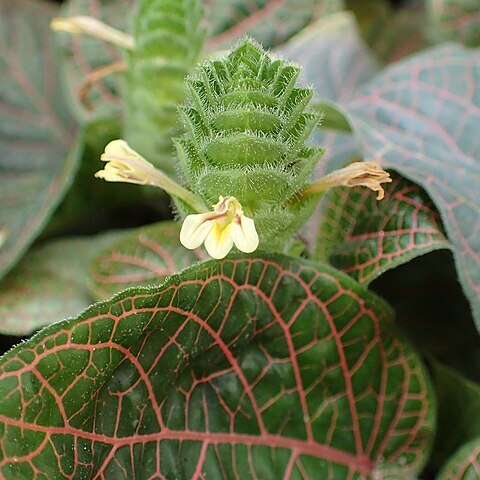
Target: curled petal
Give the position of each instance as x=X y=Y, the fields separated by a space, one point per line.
x=364 y=174
x=245 y=235
x=195 y=229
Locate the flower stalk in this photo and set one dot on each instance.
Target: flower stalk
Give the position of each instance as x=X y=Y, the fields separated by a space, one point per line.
x=123 y=164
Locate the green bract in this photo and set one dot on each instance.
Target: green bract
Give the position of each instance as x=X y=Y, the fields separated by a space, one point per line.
x=247 y=127
x=168 y=38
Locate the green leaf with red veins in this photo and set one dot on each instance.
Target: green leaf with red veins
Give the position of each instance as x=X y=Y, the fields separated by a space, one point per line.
x=35 y=130
x=457 y=20
x=270 y=22
x=365 y=237
x=464 y=464
x=336 y=62
x=82 y=55
x=266 y=367
x=421 y=118
x=146 y=256
x=49 y=284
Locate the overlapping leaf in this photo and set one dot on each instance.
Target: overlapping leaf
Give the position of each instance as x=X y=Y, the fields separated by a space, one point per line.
x=365 y=237
x=336 y=61
x=82 y=55
x=458 y=412
x=246 y=368
x=144 y=257
x=465 y=464
x=392 y=33
x=421 y=118
x=271 y=22
x=35 y=129
x=454 y=20
x=49 y=284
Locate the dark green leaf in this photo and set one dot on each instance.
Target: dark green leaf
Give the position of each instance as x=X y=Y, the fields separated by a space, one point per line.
x=35 y=130
x=364 y=237
x=49 y=284
x=246 y=368
x=333 y=117
x=421 y=117
x=458 y=412
x=144 y=257
x=431 y=308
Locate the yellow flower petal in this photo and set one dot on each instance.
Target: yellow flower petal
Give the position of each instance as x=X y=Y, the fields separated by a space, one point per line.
x=219 y=241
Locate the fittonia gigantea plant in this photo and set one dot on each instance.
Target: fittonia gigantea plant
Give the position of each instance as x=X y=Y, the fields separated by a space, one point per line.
x=245 y=152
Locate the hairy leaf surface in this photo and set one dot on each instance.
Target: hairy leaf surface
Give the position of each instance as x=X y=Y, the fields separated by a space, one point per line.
x=49 y=284
x=421 y=117
x=365 y=237
x=246 y=368
x=35 y=129
x=143 y=257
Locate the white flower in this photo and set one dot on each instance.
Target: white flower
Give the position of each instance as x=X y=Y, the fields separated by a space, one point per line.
x=220 y=229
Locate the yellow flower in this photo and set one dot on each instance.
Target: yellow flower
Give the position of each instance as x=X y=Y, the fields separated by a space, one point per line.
x=125 y=165
x=220 y=229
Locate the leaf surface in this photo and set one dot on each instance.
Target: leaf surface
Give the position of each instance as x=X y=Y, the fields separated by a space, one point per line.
x=82 y=55
x=271 y=22
x=391 y=32
x=464 y=464
x=49 y=284
x=143 y=257
x=247 y=368
x=420 y=117
x=457 y=20
x=35 y=128
x=458 y=411
x=365 y=237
